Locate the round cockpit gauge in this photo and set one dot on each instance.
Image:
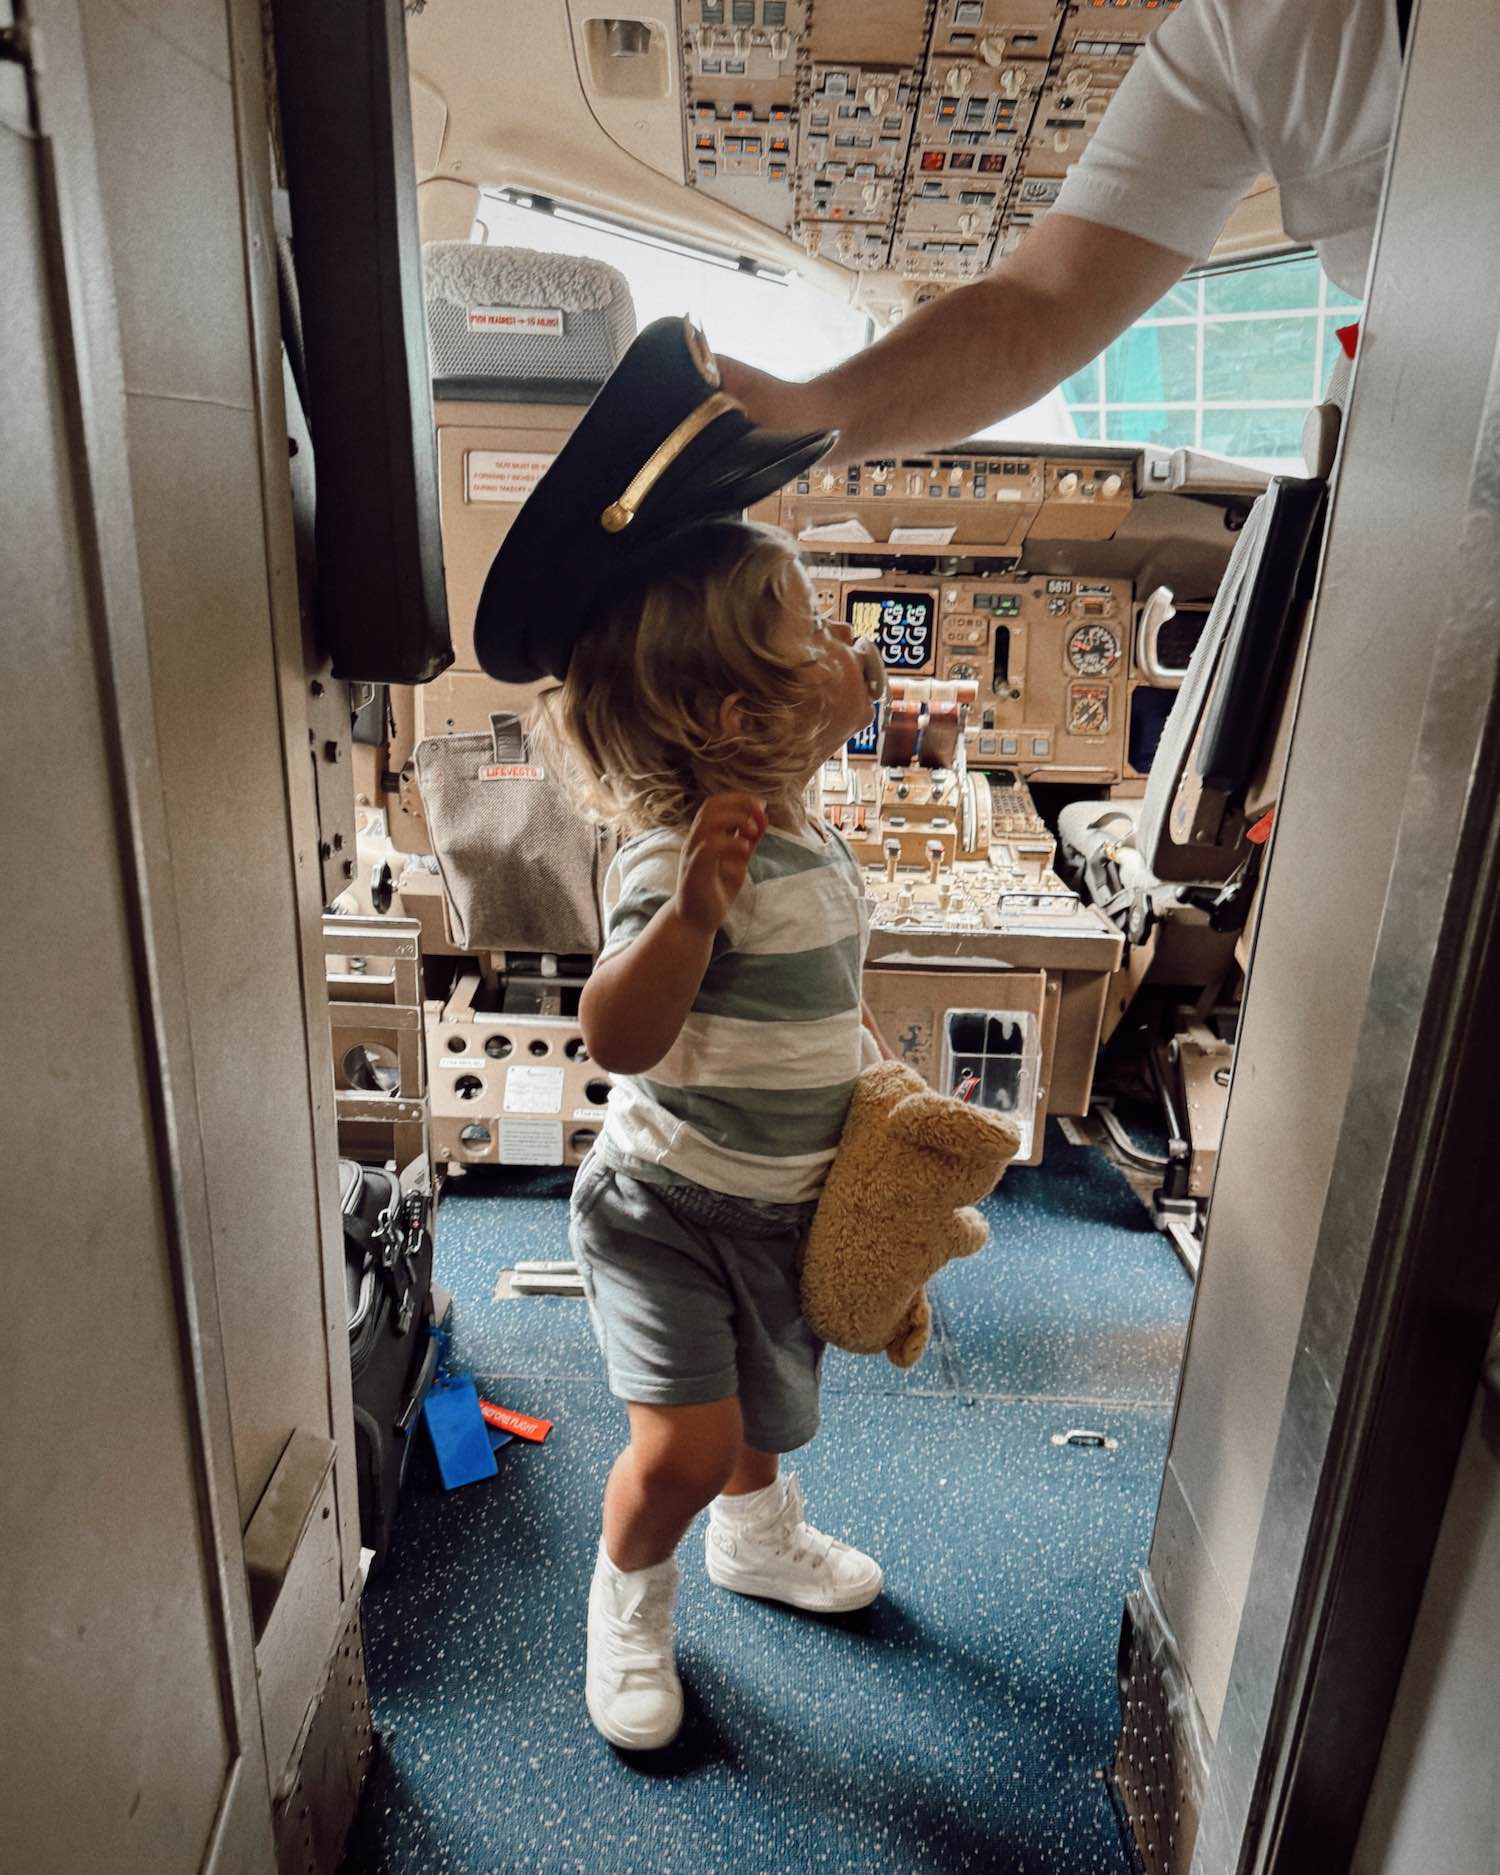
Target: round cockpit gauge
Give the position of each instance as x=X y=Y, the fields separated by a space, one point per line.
x=1093 y=650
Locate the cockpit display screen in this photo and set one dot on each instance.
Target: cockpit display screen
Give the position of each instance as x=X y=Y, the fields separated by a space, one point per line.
x=868 y=739
x=899 y=622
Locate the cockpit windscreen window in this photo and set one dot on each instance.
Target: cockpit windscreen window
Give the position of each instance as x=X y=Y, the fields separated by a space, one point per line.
x=1227 y=362
x=773 y=321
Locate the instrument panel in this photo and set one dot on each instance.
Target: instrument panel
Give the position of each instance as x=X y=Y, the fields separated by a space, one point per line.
x=919 y=140
x=978 y=500
x=1042 y=663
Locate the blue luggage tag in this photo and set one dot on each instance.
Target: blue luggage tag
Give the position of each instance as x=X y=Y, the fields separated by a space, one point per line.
x=459 y=1435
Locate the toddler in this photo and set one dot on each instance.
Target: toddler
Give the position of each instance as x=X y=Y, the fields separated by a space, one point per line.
x=726 y=1003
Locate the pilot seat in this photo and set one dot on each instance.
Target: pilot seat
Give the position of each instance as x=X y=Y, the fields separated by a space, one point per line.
x=490 y=854
x=1187 y=856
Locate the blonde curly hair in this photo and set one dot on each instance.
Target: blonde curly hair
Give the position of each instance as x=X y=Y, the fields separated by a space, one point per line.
x=639 y=717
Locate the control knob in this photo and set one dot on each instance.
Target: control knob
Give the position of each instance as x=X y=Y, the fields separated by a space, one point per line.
x=1068 y=484
x=1110 y=487
x=828 y=482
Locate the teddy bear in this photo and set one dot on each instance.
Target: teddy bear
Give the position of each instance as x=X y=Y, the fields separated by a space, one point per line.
x=895 y=1208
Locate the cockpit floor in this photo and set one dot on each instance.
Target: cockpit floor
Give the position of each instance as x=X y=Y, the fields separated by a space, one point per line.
x=964 y=1722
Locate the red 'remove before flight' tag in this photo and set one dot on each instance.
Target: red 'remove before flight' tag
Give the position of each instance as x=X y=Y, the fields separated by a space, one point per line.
x=521 y=1424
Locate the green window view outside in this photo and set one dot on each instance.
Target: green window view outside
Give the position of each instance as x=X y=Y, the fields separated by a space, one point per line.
x=1229 y=362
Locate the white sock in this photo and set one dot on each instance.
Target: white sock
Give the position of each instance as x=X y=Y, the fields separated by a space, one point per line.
x=608 y=1563
x=751 y=1506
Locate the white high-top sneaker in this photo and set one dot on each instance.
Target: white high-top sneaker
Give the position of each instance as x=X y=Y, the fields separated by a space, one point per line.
x=760 y=1545
x=631 y=1684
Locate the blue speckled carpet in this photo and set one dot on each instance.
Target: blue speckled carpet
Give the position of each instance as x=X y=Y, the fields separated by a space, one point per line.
x=964 y=1722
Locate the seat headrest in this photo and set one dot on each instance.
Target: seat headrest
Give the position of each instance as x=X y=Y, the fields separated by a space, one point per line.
x=509 y=320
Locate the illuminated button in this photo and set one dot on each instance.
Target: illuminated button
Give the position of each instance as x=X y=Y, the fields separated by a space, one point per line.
x=827 y=482
x=1041 y=745
x=986 y=745
x=1009 y=745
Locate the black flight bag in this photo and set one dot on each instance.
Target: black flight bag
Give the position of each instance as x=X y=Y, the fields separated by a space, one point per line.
x=392 y=1351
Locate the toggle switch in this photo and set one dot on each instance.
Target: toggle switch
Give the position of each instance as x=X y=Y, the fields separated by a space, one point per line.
x=934 y=859
x=892 y=859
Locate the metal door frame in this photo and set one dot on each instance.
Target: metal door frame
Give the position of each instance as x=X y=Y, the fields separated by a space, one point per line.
x=82 y=313
x=1404 y=1285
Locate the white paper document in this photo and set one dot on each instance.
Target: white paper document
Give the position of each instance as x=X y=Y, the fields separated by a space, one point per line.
x=849 y=533
x=531 y=1142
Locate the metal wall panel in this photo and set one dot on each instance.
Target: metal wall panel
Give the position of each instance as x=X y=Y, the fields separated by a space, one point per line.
x=132 y=1724
x=1442 y=1735
x=1394 y=533
x=169 y=168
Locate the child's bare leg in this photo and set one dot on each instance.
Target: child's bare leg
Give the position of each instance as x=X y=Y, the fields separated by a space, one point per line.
x=678 y=1460
x=753 y=1471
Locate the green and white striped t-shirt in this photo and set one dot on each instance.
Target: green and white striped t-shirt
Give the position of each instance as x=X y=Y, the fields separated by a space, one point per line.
x=751 y=1097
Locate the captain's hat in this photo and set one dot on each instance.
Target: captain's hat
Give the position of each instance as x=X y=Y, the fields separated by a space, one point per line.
x=660 y=446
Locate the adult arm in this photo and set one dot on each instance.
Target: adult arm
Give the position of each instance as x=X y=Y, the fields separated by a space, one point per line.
x=1172 y=156
x=979 y=353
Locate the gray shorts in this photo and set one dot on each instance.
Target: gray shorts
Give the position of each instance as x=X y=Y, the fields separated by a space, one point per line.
x=694 y=1297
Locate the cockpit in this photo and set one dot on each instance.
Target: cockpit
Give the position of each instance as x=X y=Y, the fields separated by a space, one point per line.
x=1168 y=856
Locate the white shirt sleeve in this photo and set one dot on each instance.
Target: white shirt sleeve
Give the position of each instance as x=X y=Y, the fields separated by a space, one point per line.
x=1172 y=155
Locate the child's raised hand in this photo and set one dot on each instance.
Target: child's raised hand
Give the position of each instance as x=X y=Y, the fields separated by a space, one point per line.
x=715 y=856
